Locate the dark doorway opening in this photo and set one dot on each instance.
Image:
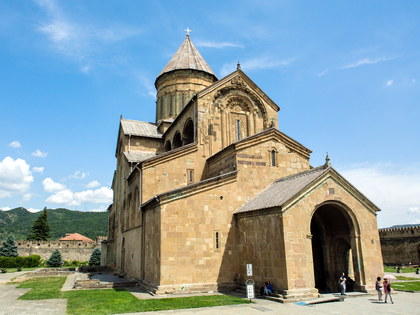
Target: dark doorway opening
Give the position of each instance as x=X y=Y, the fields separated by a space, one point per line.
x=332 y=238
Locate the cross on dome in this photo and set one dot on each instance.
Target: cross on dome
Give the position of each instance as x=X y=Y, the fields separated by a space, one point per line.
x=188 y=30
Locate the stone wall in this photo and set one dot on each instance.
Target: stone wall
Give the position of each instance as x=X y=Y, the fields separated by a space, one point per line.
x=400 y=245
x=69 y=250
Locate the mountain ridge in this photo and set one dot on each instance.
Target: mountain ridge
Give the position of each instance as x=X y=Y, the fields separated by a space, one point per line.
x=19 y=221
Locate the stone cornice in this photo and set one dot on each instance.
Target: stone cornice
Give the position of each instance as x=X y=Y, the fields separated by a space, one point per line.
x=189 y=190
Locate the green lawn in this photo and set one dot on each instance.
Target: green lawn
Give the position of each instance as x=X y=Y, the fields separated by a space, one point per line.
x=406 y=278
x=409 y=285
x=403 y=270
x=111 y=301
x=23 y=269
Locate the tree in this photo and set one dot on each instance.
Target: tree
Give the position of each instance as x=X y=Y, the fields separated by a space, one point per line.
x=55 y=259
x=40 y=229
x=95 y=258
x=8 y=247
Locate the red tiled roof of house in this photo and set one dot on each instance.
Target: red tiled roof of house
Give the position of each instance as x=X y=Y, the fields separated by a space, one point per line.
x=76 y=237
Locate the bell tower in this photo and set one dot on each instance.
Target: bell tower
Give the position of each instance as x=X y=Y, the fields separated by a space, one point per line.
x=185 y=74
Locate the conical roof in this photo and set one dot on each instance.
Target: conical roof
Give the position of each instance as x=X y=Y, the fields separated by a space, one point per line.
x=187 y=57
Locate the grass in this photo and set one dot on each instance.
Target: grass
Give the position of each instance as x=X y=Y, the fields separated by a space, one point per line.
x=403 y=270
x=409 y=285
x=111 y=301
x=406 y=278
x=23 y=269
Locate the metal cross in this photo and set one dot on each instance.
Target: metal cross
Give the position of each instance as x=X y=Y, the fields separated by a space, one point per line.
x=188 y=31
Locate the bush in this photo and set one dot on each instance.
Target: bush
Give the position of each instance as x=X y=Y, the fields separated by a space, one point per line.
x=22 y=262
x=55 y=259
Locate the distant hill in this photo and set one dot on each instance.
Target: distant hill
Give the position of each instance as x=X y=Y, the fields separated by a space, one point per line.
x=19 y=221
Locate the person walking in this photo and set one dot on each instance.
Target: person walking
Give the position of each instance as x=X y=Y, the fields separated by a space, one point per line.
x=378 y=287
x=342 y=283
x=387 y=290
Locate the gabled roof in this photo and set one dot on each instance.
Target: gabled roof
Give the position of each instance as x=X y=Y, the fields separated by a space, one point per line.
x=282 y=190
x=138 y=156
x=187 y=57
x=140 y=128
x=76 y=237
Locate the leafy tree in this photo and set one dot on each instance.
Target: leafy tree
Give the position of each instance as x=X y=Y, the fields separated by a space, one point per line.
x=8 y=247
x=41 y=228
x=95 y=258
x=55 y=259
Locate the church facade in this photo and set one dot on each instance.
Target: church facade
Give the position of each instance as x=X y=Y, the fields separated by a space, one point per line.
x=214 y=185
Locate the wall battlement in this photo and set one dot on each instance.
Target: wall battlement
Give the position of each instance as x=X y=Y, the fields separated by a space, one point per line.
x=400 y=245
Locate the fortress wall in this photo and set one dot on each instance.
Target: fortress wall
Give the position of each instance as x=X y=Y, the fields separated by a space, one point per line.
x=400 y=245
x=69 y=250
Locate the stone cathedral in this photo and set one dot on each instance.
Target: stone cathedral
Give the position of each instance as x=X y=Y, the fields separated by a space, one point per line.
x=213 y=185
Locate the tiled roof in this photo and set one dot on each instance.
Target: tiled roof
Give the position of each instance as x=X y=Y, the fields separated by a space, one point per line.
x=138 y=156
x=76 y=237
x=282 y=190
x=140 y=128
x=187 y=57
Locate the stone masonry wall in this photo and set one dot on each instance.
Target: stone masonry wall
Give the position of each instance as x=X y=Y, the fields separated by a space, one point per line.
x=69 y=250
x=400 y=245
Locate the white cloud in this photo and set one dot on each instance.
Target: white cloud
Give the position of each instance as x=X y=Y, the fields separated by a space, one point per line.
x=76 y=38
x=33 y=210
x=218 y=45
x=93 y=184
x=389 y=82
x=51 y=186
x=100 y=209
x=38 y=169
x=5 y=208
x=79 y=175
x=322 y=73
x=147 y=84
x=27 y=197
x=366 y=61
x=15 y=177
x=101 y=195
x=395 y=190
x=264 y=62
x=15 y=144
x=39 y=153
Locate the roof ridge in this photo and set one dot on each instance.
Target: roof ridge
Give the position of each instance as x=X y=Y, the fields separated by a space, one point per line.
x=312 y=170
x=141 y=121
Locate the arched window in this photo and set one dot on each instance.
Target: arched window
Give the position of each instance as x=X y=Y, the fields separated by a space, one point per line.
x=177 y=142
x=273 y=154
x=238 y=130
x=168 y=146
x=188 y=133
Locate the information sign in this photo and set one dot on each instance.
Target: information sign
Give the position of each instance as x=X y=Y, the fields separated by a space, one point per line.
x=249 y=270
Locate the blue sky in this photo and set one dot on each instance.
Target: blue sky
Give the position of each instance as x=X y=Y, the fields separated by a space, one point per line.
x=346 y=75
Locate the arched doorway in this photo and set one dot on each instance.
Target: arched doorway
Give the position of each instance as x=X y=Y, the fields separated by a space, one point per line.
x=188 y=133
x=333 y=247
x=177 y=142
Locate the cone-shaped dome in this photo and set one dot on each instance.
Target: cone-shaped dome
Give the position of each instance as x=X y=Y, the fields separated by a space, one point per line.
x=187 y=57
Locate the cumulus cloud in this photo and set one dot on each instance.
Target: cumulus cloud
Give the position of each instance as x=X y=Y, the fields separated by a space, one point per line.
x=99 y=209
x=27 y=197
x=218 y=45
x=101 y=195
x=389 y=82
x=51 y=186
x=38 y=169
x=39 y=153
x=15 y=144
x=33 y=210
x=263 y=62
x=5 y=208
x=93 y=184
x=396 y=190
x=15 y=177
x=79 y=175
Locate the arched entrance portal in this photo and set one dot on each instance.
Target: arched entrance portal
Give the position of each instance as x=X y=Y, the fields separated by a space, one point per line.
x=333 y=247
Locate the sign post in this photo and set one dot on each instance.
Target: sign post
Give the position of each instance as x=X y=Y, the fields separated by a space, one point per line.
x=250 y=290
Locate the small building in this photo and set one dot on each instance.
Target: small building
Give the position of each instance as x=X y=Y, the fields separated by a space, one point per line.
x=76 y=237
